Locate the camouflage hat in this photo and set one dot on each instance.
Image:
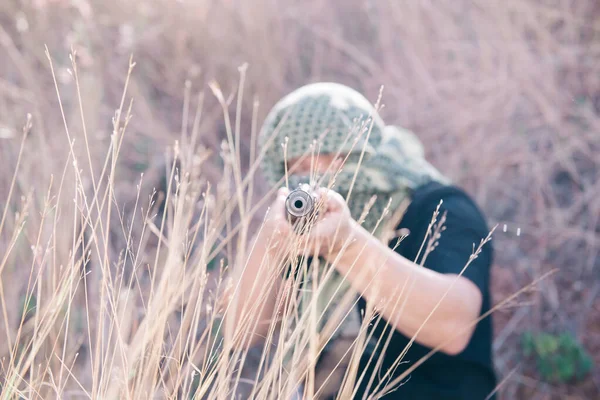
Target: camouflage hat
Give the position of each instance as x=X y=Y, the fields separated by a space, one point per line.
x=335 y=116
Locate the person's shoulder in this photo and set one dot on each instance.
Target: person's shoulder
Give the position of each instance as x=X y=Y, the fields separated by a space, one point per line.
x=464 y=224
x=436 y=191
x=453 y=201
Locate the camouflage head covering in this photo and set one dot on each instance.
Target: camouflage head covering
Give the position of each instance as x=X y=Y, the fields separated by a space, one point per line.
x=338 y=118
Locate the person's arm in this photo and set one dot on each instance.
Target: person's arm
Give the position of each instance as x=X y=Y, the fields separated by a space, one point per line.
x=257 y=283
x=387 y=279
x=256 y=294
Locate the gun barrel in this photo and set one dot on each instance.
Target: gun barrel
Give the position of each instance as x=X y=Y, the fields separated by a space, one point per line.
x=300 y=203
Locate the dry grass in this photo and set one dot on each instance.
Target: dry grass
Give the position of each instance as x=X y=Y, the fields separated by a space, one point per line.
x=505 y=93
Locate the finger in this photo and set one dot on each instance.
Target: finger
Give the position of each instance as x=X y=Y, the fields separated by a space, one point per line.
x=279 y=205
x=277 y=209
x=324 y=228
x=283 y=191
x=332 y=200
x=282 y=194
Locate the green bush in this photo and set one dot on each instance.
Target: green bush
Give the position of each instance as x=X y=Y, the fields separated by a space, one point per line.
x=558 y=358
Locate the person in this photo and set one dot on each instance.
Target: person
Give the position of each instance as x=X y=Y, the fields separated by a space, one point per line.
x=340 y=125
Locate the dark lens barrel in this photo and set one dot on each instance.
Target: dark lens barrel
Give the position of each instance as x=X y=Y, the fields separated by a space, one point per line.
x=299 y=203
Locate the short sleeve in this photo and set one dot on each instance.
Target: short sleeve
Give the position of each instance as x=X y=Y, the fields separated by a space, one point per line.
x=465 y=228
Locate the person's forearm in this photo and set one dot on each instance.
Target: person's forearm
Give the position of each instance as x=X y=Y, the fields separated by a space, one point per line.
x=258 y=283
x=406 y=293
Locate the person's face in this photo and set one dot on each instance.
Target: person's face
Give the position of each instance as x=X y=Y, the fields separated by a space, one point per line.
x=319 y=164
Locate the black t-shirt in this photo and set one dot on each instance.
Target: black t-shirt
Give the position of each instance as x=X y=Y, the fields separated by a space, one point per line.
x=470 y=374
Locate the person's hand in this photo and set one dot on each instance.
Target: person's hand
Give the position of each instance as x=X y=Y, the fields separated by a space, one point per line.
x=333 y=227
x=276 y=227
x=325 y=236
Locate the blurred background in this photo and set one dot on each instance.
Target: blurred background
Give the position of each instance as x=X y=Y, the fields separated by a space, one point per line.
x=505 y=94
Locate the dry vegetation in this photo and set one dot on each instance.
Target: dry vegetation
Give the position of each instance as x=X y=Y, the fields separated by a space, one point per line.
x=505 y=93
